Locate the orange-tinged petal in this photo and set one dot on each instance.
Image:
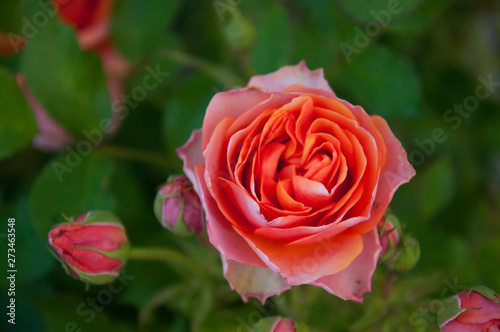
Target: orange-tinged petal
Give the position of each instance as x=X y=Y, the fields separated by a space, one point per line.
x=231 y=103
x=397 y=170
x=310 y=193
x=286 y=200
x=352 y=282
x=304 y=264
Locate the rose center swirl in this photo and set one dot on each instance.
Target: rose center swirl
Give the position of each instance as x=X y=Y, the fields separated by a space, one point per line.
x=293 y=161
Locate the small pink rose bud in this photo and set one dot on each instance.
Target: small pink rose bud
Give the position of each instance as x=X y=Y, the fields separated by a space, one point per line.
x=178 y=207
x=388 y=229
x=92 y=247
x=279 y=324
x=477 y=309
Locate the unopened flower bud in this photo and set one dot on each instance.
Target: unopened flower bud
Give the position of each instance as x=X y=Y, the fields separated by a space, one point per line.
x=92 y=247
x=279 y=324
x=388 y=229
x=408 y=256
x=178 y=207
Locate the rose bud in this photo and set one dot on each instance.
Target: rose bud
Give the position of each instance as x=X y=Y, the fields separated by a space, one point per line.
x=178 y=207
x=388 y=232
x=294 y=181
x=93 y=247
x=279 y=324
x=408 y=254
x=474 y=310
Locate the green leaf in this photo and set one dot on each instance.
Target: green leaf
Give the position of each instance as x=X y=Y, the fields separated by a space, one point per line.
x=272 y=48
x=382 y=83
x=137 y=25
x=436 y=188
x=359 y=10
x=422 y=17
x=17 y=122
x=70 y=184
x=185 y=111
x=11 y=16
x=69 y=312
x=32 y=259
x=68 y=82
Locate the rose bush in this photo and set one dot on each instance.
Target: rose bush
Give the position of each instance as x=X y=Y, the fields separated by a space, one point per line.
x=294 y=181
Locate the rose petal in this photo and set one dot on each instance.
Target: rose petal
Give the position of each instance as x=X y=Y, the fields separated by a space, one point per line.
x=397 y=170
x=290 y=75
x=299 y=88
x=191 y=154
x=351 y=283
x=456 y=326
x=306 y=263
x=223 y=236
x=489 y=309
x=231 y=103
x=253 y=281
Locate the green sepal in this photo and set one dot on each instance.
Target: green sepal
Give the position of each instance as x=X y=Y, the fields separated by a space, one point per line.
x=450 y=311
x=486 y=292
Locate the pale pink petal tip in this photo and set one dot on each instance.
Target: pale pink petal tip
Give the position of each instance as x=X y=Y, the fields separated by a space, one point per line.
x=290 y=75
x=191 y=154
x=253 y=281
x=353 y=282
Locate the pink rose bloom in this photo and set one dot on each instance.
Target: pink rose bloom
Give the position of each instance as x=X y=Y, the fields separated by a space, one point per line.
x=477 y=314
x=294 y=181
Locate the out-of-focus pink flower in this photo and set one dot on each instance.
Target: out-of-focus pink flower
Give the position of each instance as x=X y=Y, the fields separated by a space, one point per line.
x=178 y=207
x=93 y=247
x=90 y=18
x=294 y=181
x=51 y=136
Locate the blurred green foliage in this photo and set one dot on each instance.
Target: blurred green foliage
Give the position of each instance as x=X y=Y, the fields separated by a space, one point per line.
x=411 y=65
